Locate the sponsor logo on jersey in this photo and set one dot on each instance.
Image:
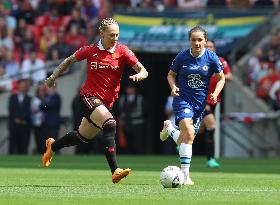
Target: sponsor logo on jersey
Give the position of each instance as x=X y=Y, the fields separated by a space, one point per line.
x=96 y=65
x=195 y=67
x=95 y=55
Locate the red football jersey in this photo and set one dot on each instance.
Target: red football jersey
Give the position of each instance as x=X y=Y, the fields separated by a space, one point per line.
x=213 y=82
x=104 y=70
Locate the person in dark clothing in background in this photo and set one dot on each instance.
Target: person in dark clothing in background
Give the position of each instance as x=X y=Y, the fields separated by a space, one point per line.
x=132 y=119
x=50 y=106
x=20 y=119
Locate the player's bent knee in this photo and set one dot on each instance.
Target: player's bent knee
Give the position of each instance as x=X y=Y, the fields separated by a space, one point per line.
x=109 y=128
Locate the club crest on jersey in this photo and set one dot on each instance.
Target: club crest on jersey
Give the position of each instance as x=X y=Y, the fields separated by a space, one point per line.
x=205 y=68
x=114 y=56
x=96 y=101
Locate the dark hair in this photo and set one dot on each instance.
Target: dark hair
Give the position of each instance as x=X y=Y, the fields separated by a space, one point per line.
x=198 y=29
x=214 y=43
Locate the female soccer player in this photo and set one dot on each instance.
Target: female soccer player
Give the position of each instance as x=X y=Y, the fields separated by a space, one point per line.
x=209 y=120
x=105 y=65
x=188 y=78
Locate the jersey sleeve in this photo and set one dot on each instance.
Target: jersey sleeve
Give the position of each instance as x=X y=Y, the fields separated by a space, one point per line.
x=217 y=64
x=176 y=63
x=129 y=56
x=82 y=53
x=225 y=65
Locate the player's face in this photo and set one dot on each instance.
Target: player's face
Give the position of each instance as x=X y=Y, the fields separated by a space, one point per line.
x=197 y=42
x=210 y=46
x=110 y=36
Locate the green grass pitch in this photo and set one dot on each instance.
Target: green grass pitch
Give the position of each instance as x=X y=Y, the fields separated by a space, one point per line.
x=86 y=180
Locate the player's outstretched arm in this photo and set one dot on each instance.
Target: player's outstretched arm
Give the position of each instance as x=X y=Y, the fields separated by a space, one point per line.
x=142 y=73
x=50 y=81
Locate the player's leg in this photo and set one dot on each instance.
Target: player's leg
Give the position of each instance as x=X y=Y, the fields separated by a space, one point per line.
x=210 y=124
x=85 y=133
x=185 y=141
x=87 y=130
x=103 y=118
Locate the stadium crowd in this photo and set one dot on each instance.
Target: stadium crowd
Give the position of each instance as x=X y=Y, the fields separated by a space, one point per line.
x=263 y=74
x=36 y=33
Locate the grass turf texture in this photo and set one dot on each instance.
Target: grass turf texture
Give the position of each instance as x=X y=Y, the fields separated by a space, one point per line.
x=86 y=180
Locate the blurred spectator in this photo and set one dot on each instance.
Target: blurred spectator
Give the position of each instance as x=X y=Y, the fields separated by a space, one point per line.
x=92 y=34
x=34 y=68
x=191 y=4
x=5 y=40
x=63 y=49
x=265 y=84
x=125 y=3
x=76 y=19
x=65 y=7
x=11 y=66
x=242 y=4
x=19 y=119
x=91 y=8
x=274 y=95
x=47 y=39
x=132 y=119
x=43 y=7
x=52 y=19
x=170 y=3
x=11 y=22
x=272 y=49
x=75 y=38
x=264 y=3
x=254 y=67
x=50 y=106
x=20 y=32
x=216 y=3
x=5 y=81
x=28 y=43
x=37 y=118
x=53 y=62
x=25 y=10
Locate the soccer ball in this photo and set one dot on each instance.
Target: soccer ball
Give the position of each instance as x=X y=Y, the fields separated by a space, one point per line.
x=171 y=177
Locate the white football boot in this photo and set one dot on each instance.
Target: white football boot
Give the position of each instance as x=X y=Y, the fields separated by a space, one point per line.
x=163 y=134
x=188 y=181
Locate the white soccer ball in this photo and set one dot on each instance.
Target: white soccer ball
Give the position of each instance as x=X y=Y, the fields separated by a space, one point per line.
x=171 y=177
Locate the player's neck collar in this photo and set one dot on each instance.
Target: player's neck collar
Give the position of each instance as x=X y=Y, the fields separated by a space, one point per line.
x=101 y=47
x=199 y=54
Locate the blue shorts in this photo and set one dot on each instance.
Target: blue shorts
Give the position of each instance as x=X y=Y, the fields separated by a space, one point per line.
x=183 y=109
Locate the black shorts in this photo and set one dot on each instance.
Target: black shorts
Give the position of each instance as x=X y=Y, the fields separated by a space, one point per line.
x=88 y=105
x=209 y=111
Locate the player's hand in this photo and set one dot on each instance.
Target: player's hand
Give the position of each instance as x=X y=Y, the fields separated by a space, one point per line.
x=213 y=98
x=50 y=81
x=175 y=91
x=137 y=77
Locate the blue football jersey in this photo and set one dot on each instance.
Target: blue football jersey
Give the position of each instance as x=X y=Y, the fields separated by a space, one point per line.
x=193 y=75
